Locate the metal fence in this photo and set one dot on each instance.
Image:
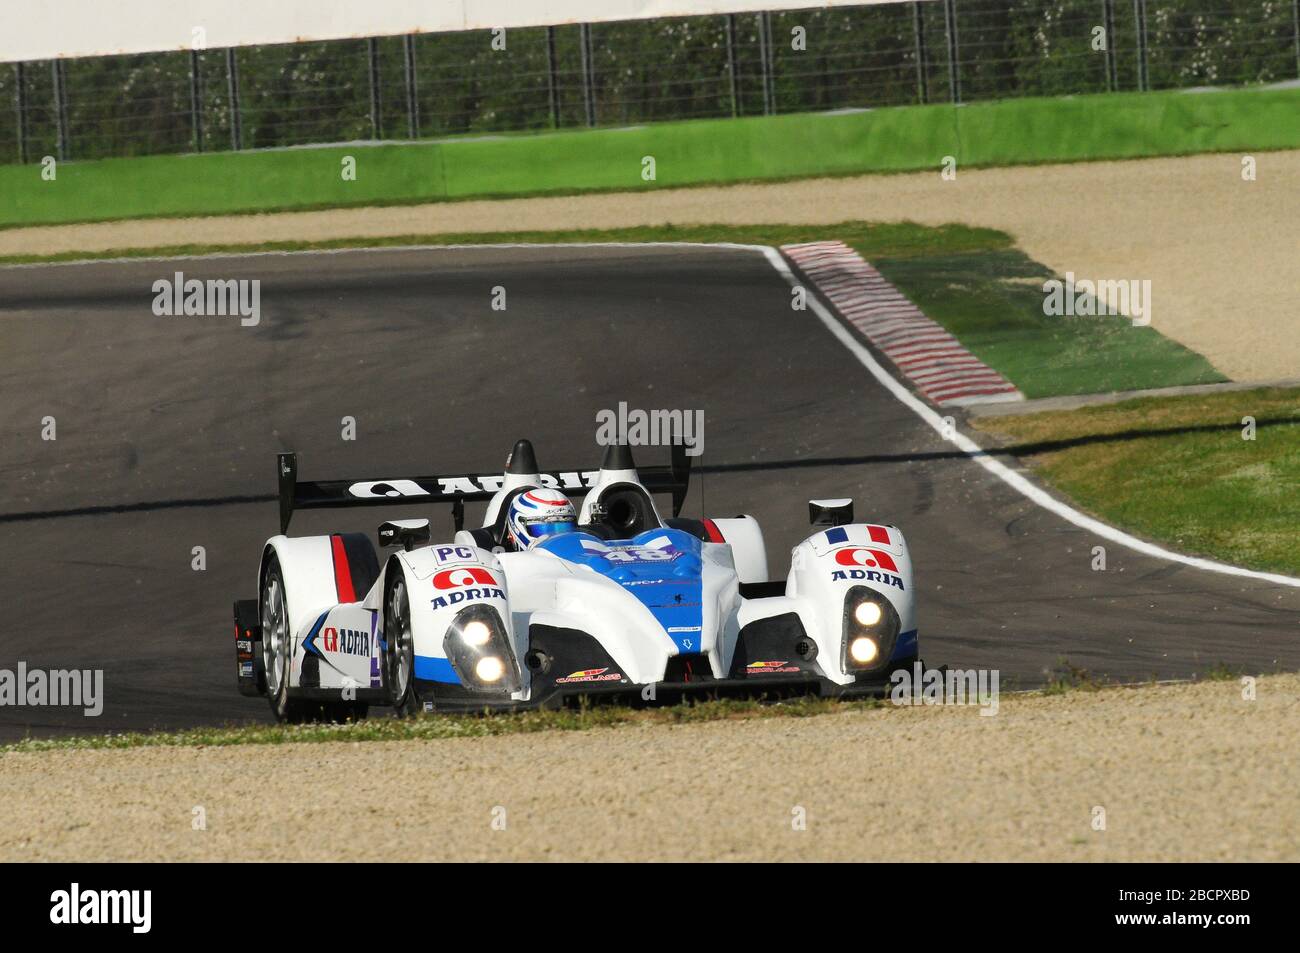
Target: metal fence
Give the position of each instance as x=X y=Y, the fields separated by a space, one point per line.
x=433 y=85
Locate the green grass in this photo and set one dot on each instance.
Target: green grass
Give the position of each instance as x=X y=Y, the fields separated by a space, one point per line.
x=992 y=300
x=971 y=280
x=1065 y=678
x=1177 y=469
x=433 y=727
x=1115 y=126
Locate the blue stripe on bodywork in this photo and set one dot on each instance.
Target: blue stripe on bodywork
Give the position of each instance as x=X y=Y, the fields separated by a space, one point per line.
x=837 y=535
x=309 y=643
x=431 y=669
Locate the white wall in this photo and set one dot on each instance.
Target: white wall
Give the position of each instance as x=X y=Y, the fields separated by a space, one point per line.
x=47 y=29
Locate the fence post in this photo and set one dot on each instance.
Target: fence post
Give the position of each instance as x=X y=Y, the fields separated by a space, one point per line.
x=954 y=66
x=232 y=90
x=922 y=67
x=1108 y=26
x=61 y=109
x=20 y=103
x=552 y=79
x=588 y=95
x=412 y=88
x=765 y=57
x=731 y=63
x=1140 y=25
x=196 y=102
x=376 y=116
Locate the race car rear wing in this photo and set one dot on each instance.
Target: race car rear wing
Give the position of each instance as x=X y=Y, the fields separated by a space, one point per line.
x=458 y=489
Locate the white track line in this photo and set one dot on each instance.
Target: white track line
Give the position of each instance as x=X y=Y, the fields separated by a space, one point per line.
x=1000 y=470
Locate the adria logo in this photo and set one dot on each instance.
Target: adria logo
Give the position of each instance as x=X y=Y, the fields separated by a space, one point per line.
x=464 y=576
x=872 y=558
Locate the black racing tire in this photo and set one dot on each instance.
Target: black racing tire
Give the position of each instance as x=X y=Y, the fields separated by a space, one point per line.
x=276 y=649
x=398 y=651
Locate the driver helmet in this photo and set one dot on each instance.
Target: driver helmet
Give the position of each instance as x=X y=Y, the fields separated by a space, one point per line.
x=538 y=513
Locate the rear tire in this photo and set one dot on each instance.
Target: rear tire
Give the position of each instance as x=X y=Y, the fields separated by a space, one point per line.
x=276 y=653
x=399 y=647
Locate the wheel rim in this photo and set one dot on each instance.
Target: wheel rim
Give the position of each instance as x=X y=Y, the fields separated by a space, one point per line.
x=400 y=644
x=275 y=640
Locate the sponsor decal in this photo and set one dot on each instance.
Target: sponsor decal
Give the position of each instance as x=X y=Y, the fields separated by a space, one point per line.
x=467 y=595
x=770 y=668
x=453 y=554
x=869 y=558
x=244 y=646
x=245 y=669
x=346 y=641
x=590 y=675
x=462 y=485
x=465 y=576
x=869 y=575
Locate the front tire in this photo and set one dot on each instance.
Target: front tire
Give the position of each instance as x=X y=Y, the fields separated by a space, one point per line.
x=399 y=647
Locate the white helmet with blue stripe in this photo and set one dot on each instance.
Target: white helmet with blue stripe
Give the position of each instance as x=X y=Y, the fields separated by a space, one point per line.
x=538 y=513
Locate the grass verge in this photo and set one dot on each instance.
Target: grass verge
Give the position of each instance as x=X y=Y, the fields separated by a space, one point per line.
x=992 y=300
x=699 y=152
x=1178 y=469
x=971 y=280
x=433 y=727
x=1066 y=678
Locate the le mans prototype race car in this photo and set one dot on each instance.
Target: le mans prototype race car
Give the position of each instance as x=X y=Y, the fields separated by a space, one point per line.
x=628 y=603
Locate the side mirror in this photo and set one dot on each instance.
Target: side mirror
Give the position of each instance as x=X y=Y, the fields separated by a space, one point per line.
x=830 y=512
x=406 y=533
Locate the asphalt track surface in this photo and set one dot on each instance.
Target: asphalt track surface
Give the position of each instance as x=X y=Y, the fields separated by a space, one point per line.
x=167 y=429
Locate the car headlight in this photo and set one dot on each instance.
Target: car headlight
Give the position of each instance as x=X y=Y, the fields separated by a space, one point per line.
x=479 y=650
x=476 y=633
x=863 y=649
x=867 y=613
x=871 y=625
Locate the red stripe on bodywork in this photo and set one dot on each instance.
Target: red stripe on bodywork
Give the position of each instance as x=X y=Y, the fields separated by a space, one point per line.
x=879 y=534
x=715 y=536
x=342 y=572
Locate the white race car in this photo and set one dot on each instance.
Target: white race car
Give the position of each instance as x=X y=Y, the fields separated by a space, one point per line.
x=628 y=603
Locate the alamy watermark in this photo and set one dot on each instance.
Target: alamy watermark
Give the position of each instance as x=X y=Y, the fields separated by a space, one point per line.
x=651 y=428
x=57 y=687
x=133 y=908
x=1084 y=297
x=952 y=686
x=216 y=297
